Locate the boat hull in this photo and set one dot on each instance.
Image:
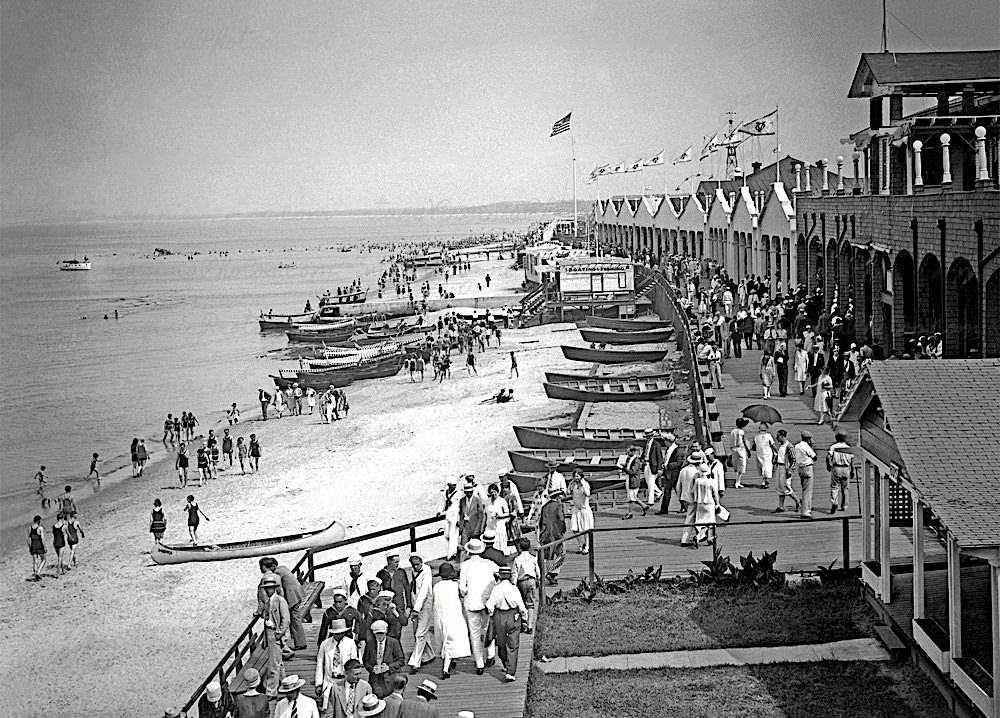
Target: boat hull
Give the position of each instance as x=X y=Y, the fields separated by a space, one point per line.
x=341 y=377
x=528 y=483
x=546 y=437
x=534 y=460
x=324 y=538
x=571 y=393
x=604 y=356
x=609 y=336
x=626 y=325
x=554 y=377
x=283 y=322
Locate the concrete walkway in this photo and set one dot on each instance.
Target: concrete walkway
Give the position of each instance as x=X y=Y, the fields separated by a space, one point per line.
x=857 y=649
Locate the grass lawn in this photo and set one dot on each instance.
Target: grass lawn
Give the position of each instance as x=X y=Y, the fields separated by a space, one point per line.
x=767 y=691
x=660 y=618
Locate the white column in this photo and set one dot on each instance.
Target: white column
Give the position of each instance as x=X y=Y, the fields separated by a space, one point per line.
x=856 y=159
x=954 y=599
x=945 y=159
x=866 y=511
x=918 y=167
x=798 y=177
x=982 y=169
x=883 y=531
x=918 y=558
x=840 y=174
x=995 y=602
x=826 y=177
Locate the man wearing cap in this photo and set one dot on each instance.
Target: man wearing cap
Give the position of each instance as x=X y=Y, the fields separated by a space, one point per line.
x=276 y=620
x=652 y=464
x=506 y=609
x=340 y=609
x=334 y=652
x=348 y=694
x=293 y=704
x=471 y=513
x=421 y=707
x=421 y=612
x=216 y=702
x=292 y=592
x=474 y=585
x=839 y=462
x=491 y=552
x=357 y=580
x=805 y=458
x=394 y=579
x=552 y=527
x=673 y=460
x=382 y=657
x=685 y=481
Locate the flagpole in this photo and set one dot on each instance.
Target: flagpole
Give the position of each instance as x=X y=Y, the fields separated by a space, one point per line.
x=572 y=144
x=777 y=148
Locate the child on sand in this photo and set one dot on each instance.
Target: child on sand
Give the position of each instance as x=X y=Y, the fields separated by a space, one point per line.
x=36 y=547
x=181 y=464
x=59 y=542
x=193 y=511
x=203 y=474
x=142 y=455
x=254 y=453
x=157 y=522
x=93 y=468
x=241 y=453
x=42 y=482
x=74 y=532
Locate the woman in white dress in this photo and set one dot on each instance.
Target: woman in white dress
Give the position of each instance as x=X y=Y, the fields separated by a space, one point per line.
x=279 y=403
x=451 y=516
x=800 y=365
x=311 y=399
x=450 y=628
x=497 y=515
x=706 y=499
x=582 y=518
x=824 y=396
x=765 y=447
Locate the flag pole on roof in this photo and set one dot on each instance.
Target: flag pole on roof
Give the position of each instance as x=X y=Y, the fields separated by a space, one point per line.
x=558 y=127
x=777 y=149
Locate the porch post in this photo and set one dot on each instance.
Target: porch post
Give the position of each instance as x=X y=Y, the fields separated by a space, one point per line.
x=883 y=530
x=866 y=511
x=995 y=602
x=918 y=558
x=954 y=599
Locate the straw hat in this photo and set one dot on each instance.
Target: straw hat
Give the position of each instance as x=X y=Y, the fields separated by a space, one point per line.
x=270 y=580
x=338 y=626
x=696 y=457
x=213 y=691
x=551 y=464
x=489 y=537
x=290 y=683
x=474 y=546
x=371 y=705
x=428 y=689
x=251 y=676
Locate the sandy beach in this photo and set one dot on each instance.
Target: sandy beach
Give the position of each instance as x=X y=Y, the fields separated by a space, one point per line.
x=118 y=636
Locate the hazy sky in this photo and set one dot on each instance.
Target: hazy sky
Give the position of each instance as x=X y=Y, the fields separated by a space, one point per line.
x=134 y=108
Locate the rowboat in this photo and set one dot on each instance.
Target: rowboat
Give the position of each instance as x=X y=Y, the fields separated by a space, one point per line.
x=340 y=376
x=75 y=265
x=357 y=297
x=586 y=460
x=601 y=389
x=323 y=538
x=610 y=336
x=284 y=321
x=319 y=333
x=530 y=483
x=554 y=377
x=360 y=354
x=605 y=356
x=554 y=437
x=626 y=325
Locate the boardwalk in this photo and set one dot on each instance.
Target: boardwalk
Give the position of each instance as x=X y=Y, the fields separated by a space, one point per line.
x=486 y=695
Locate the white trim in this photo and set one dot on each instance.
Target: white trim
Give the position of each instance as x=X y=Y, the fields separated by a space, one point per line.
x=918 y=557
x=885 y=552
x=968 y=686
x=954 y=598
x=938 y=656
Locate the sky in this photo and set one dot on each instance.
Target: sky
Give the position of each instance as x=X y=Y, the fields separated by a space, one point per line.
x=149 y=108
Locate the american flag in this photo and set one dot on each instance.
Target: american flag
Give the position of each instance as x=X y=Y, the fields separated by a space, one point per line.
x=561 y=125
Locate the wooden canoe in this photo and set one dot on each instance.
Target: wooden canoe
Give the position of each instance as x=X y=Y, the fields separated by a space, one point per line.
x=528 y=484
x=323 y=538
x=589 y=461
x=607 y=356
x=610 y=336
x=554 y=437
x=601 y=389
x=628 y=325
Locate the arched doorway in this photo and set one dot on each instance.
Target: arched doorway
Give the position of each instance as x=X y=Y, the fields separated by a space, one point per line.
x=846 y=291
x=992 y=343
x=830 y=272
x=930 y=294
x=801 y=264
x=817 y=264
x=963 y=339
x=777 y=271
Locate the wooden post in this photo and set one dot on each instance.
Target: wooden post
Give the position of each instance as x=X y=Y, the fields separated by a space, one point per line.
x=541 y=581
x=413 y=539
x=954 y=599
x=310 y=571
x=590 y=554
x=918 y=558
x=995 y=602
x=846 y=542
x=866 y=511
x=885 y=553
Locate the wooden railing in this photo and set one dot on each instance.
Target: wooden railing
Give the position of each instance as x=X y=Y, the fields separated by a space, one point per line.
x=713 y=528
x=252 y=636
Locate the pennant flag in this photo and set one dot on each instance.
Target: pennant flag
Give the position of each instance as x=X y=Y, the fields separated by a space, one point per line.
x=685 y=156
x=620 y=168
x=711 y=146
x=635 y=166
x=605 y=170
x=655 y=160
x=761 y=126
x=597 y=171
x=561 y=125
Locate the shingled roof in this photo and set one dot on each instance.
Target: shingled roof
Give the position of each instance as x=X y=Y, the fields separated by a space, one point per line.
x=945 y=419
x=922 y=69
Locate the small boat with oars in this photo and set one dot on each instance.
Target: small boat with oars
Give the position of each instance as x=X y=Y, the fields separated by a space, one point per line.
x=75 y=265
x=610 y=356
x=356 y=296
x=569 y=438
x=340 y=375
x=284 y=322
x=323 y=538
x=589 y=461
x=640 y=324
x=529 y=483
x=610 y=336
x=320 y=333
x=554 y=377
x=602 y=389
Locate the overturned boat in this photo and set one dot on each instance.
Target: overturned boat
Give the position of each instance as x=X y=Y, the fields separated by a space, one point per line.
x=323 y=538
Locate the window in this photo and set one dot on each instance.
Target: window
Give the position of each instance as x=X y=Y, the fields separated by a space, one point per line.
x=596 y=282
x=622 y=281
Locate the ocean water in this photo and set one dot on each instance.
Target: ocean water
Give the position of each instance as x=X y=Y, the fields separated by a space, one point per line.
x=74 y=383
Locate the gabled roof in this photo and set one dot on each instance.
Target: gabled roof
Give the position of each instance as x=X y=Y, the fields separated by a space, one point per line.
x=878 y=72
x=945 y=419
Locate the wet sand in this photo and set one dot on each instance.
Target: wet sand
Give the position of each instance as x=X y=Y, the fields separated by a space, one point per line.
x=118 y=636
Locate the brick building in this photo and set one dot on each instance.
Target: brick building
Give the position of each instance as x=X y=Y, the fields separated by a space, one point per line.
x=913 y=239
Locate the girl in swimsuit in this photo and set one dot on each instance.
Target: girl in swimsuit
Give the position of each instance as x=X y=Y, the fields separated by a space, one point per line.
x=182 y=465
x=157 y=522
x=193 y=513
x=59 y=542
x=36 y=547
x=241 y=452
x=74 y=532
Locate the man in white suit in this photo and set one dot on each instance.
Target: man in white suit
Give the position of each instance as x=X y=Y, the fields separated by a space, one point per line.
x=422 y=611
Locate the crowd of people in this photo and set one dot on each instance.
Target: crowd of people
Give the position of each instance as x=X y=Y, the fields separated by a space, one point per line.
x=66 y=534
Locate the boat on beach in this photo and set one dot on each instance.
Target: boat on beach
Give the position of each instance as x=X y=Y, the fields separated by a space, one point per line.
x=75 y=265
x=341 y=375
x=607 y=356
x=284 y=321
x=319 y=333
x=568 y=438
x=587 y=460
x=554 y=377
x=603 y=389
x=323 y=538
x=626 y=325
x=356 y=297
x=529 y=483
x=610 y=336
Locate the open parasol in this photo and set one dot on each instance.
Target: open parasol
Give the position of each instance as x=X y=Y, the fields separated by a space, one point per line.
x=762 y=412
